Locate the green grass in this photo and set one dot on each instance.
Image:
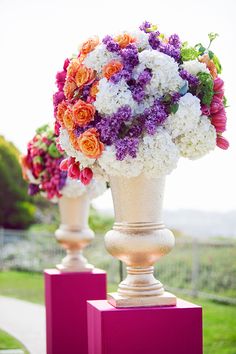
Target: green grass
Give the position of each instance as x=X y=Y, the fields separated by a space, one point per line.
x=219 y=320
x=9 y=342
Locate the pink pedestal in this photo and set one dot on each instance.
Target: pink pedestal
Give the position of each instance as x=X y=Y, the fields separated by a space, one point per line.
x=150 y=330
x=66 y=296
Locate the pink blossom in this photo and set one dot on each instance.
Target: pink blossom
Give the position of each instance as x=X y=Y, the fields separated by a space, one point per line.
x=221 y=142
x=219 y=121
x=219 y=87
x=66 y=63
x=205 y=110
x=74 y=171
x=216 y=104
x=86 y=175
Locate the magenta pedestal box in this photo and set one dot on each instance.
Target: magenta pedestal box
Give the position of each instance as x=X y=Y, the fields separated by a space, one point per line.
x=66 y=296
x=150 y=330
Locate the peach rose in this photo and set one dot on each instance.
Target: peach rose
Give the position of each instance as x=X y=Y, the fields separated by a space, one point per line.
x=89 y=45
x=94 y=89
x=84 y=76
x=73 y=67
x=68 y=120
x=111 y=68
x=61 y=108
x=89 y=143
x=124 y=39
x=69 y=88
x=83 y=112
x=210 y=65
x=73 y=140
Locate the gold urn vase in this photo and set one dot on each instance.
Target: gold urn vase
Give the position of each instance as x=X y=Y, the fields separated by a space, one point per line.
x=139 y=238
x=74 y=233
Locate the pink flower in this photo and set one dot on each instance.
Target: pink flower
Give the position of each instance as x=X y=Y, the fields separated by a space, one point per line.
x=60 y=79
x=57 y=128
x=86 y=175
x=219 y=121
x=205 y=110
x=219 y=87
x=74 y=171
x=66 y=63
x=64 y=165
x=221 y=142
x=216 y=104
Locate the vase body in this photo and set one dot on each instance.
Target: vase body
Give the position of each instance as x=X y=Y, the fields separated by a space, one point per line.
x=139 y=238
x=74 y=233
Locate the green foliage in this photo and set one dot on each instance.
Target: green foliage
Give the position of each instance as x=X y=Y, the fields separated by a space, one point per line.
x=188 y=53
x=16 y=210
x=100 y=224
x=205 y=88
x=9 y=342
x=217 y=64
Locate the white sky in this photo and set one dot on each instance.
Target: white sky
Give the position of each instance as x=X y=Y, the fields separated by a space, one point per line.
x=36 y=36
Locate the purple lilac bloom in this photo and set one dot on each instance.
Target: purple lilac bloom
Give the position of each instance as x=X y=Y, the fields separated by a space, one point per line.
x=126 y=147
x=153 y=40
x=85 y=92
x=155 y=116
x=144 y=77
x=170 y=50
x=33 y=189
x=174 y=40
x=192 y=80
x=136 y=129
x=111 y=45
x=175 y=97
x=138 y=93
x=144 y=26
x=130 y=57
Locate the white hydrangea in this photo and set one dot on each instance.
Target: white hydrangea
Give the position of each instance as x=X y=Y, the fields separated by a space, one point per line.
x=194 y=67
x=75 y=188
x=112 y=96
x=159 y=154
x=141 y=41
x=139 y=107
x=99 y=57
x=186 y=118
x=198 y=142
x=165 y=75
x=128 y=167
x=65 y=143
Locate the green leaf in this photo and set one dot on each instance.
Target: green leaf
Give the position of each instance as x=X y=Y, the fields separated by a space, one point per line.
x=174 y=108
x=52 y=150
x=212 y=36
x=205 y=88
x=211 y=54
x=217 y=64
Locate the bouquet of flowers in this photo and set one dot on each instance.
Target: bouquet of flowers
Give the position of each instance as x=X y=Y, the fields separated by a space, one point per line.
x=41 y=168
x=135 y=102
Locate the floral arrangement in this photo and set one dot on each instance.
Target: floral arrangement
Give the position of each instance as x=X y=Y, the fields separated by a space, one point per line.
x=41 y=168
x=135 y=102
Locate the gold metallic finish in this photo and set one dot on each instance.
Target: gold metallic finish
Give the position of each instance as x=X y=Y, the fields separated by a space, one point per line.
x=139 y=238
x=74 y=233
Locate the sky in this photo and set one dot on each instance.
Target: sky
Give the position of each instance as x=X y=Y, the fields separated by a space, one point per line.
x=36 y=37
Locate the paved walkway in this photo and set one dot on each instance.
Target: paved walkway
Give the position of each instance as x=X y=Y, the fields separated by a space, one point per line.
x=25 y=321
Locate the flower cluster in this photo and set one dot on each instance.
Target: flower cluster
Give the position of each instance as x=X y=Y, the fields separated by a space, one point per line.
x=135 y=102
x=41 y=168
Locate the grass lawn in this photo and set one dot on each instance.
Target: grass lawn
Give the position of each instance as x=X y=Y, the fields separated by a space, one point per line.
x=9 y=342
x=219 y=320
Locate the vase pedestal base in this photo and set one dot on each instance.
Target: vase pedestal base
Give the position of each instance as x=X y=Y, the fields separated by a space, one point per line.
x=66 y=296
x=166 y=299
x=144 y=330
x=65 y=269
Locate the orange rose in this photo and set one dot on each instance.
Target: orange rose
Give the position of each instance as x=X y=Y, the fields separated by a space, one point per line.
x=25 y=166
x=61 y=108
x=111 y=68
x=84 y=76
x=89 y=45
x=89 y=143
x=210 y=65
x=124 y=39
x=83 y=112
x=69 y=88
x=68 y=120
x=94 y=89
x=73 y=140
x=73 y=67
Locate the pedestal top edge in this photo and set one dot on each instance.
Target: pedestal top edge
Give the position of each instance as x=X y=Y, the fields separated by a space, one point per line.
x=104 y=305
x=54 y=271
